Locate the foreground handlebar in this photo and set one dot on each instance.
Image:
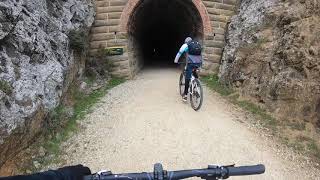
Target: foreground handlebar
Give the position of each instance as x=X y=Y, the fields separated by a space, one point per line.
x=246 y=170
x=212 y=172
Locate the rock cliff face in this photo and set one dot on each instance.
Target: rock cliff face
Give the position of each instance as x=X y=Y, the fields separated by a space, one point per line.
x=36 y=63
x=273 y=56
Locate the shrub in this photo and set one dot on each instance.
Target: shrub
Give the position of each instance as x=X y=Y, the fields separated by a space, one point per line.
x=78 y=40
x=5 y=87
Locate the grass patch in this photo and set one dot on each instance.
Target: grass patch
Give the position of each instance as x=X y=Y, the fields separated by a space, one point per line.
x=297 y=146
x=285 y=140
x=314 y=149
x=268 y=120
x=300 y=126
x=213 y=82
x=305 y=144
x=63 y=123
x=304 y=139
x=90 y=79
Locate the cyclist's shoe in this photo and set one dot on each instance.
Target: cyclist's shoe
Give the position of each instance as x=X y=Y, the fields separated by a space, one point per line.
x=185 y=98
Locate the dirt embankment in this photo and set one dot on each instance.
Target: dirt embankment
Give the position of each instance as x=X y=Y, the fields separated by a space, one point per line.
x=272 y=57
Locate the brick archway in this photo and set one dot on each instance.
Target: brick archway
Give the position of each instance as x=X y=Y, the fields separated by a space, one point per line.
x=132 y=4
x=113 y=29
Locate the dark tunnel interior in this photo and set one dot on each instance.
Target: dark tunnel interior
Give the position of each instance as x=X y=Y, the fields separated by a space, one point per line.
x=158 y=29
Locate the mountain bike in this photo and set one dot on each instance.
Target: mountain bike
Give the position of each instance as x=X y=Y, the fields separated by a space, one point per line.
x=213 y=172
x=195 y=89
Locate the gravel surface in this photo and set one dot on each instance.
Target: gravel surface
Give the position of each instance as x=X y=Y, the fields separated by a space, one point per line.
x=144 y=121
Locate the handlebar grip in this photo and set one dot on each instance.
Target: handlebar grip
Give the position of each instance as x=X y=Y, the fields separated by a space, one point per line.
x=246 y=170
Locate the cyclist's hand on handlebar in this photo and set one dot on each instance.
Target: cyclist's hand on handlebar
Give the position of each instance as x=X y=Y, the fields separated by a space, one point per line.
x=66 y=173
x=74 y=172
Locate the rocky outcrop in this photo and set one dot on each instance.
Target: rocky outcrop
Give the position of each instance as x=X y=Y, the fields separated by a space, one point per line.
x=36 y=63
x=273 y=56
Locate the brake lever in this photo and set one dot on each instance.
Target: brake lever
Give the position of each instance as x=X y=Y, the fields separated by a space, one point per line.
x=101 y=173
x=231 y=165
x=217 y=166
x=104 y=173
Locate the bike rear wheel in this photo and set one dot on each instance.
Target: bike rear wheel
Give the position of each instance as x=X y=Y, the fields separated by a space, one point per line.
x=182 y=84
x=196 y=97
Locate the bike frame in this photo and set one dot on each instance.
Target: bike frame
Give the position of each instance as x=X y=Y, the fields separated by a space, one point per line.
x=191 y=84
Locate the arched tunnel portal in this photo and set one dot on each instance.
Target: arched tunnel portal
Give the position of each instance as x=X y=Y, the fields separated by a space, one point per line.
x=150 y=32
x=157 y=29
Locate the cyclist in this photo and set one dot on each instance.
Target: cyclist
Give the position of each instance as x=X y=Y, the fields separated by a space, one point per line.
x=192 y=49
x=66 y=173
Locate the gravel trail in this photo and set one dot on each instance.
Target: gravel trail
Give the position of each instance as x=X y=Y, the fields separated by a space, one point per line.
x=144 y=121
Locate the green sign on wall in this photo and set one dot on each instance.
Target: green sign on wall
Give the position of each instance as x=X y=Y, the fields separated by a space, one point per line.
x=112 y=51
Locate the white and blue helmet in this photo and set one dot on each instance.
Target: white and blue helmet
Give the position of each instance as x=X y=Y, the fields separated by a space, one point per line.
x=188 y=39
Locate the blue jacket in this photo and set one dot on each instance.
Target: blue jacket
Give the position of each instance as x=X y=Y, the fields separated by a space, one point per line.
x=190 y=58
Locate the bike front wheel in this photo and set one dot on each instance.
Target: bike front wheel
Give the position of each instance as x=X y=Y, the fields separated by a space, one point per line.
x=182 y=84
x=196 y=95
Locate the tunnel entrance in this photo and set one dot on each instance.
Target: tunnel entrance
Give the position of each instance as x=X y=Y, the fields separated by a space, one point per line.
x=157 y=29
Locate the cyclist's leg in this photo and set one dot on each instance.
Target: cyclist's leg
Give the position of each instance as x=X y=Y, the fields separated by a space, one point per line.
x=195 y=65
x=188 y=77
x=186 y=88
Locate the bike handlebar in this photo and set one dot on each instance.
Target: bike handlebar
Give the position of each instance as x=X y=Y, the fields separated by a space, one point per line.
x=246 y=170
x=212 y=172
